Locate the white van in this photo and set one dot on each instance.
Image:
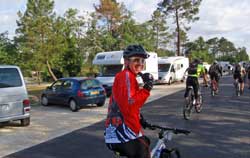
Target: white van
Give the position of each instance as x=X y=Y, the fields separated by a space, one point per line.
x=172 y=69
x=112 y=62
x=14 y=101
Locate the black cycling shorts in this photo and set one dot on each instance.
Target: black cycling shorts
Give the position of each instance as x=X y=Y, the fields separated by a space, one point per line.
x=138 y=148
x=192 y=81
x=214 y=76
x=239 y=77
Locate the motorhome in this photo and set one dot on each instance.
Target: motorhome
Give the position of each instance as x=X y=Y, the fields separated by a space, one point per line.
x=112 y=62
x=227 y=68
x=172 y=69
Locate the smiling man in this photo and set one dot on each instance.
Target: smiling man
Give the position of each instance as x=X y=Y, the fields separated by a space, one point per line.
x=123 y=131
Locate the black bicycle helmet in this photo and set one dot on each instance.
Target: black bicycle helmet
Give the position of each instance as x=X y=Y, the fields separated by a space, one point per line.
x=135 y=50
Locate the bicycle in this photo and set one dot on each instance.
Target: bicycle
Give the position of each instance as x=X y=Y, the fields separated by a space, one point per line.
x=161 y=149
x=214 y=87
x=190 y=103
x=237 y=87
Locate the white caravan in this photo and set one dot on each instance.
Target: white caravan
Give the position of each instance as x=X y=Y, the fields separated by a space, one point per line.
x=112 y=62
x=172 y=69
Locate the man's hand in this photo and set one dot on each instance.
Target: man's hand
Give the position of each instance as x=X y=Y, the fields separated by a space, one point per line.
x=147 y=77
x=148 y=80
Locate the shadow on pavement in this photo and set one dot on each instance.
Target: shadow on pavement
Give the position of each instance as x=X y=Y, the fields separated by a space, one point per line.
x=221 y=130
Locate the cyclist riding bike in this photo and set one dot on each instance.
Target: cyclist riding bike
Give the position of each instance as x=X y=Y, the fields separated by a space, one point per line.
x=239 y=73
x=215 y=72
x=194 y=71
x=123 y=132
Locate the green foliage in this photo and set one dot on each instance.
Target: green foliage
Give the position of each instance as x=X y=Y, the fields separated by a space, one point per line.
x=159 y=29
x=182 y=13
x=61 y=46
x=8 y=51
x=242 y=55
x=35 y=34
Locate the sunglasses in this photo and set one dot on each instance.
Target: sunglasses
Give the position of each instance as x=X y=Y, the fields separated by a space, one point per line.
x=137 y=60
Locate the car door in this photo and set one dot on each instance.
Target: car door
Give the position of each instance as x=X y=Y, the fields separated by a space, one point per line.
x=66 y=91
x=54 y=91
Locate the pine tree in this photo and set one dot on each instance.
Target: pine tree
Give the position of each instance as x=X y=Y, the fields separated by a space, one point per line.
x=35 y=34
x=183 y=12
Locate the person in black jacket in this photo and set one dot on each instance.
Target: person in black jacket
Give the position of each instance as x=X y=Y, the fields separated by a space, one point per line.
x=215 y=72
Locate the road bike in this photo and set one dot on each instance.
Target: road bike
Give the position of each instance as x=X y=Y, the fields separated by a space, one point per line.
x=191 y=102
x=214 y=87
x=161 y=148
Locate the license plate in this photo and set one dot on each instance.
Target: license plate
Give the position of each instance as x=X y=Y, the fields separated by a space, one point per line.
x=94 y=92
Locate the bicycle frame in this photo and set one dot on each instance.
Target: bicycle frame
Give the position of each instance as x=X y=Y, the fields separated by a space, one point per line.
x=164 y=136
x=161 y=144
x=190 y=103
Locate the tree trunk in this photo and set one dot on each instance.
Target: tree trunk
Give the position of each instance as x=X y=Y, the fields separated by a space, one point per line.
x=50 y=71
x=39 y=77
x=178 y=32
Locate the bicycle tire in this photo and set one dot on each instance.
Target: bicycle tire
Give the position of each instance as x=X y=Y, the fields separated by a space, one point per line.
x=199 y=109
x=170 y=153
x=187 y=108
x=237 y=88
x=212 y=93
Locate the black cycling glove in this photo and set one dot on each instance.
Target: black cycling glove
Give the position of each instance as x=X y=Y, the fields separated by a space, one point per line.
x=148 y=80
x=148 y=85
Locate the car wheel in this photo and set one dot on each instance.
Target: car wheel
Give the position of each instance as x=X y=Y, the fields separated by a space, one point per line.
x=170 y=81
x=44 y=100
x=73 y=105
x=101 y=103
x=25 y=122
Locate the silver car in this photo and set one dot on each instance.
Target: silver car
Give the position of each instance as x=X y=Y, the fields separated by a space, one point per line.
x=14 y=101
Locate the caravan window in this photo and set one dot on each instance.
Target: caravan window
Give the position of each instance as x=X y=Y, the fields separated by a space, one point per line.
x=163 y=67
x=110 y=70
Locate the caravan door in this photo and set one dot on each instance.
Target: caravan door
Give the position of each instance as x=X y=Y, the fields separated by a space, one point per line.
x=172 y=74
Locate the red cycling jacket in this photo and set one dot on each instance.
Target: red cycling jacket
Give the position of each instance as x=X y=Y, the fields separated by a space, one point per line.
x=130 y=98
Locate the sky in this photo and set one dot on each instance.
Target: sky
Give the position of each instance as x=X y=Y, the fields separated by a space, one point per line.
x=218 y=18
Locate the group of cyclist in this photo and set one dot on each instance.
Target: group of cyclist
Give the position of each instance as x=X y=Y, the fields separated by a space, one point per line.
x=195 y=70
x=123 y=126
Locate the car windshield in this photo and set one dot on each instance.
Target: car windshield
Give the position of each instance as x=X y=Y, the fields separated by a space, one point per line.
x=89 y=83
x=163 y=67
x=110 y=70
x=9 y=77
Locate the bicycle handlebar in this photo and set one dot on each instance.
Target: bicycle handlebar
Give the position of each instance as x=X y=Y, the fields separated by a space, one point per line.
x=175 y=130
x=146 y=124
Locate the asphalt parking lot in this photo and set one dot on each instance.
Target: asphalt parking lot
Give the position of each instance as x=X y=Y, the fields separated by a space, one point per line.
x=54 y=121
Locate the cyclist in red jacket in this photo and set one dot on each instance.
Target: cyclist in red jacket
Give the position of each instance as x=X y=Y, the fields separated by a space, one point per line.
x=123 y=131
